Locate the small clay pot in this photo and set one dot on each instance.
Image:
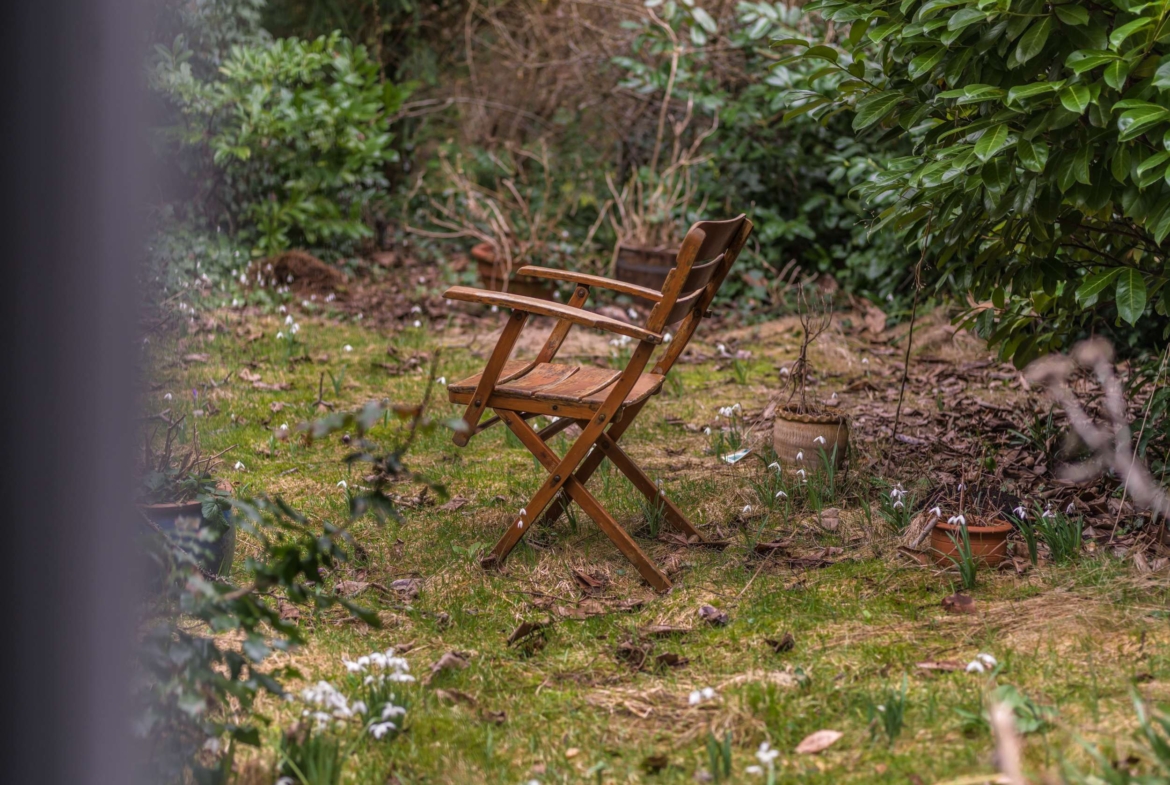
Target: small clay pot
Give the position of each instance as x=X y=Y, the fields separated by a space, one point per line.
x=491 y=275
x=794 y=433
x=644 y=266
x=988 y=542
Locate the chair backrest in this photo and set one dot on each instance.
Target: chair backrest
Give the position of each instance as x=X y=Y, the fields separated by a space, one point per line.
x=704 y=258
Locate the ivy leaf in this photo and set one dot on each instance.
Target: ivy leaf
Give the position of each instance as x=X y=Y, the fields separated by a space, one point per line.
x=1033 y=155
x=1096 y=283
x=873 y=108
x=1131 y=295
x=991 y=142
x=1033 y=41
x=1075 y=98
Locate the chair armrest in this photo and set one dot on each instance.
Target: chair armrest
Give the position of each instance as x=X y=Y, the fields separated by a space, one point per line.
x=591 y=280
x=546 y=308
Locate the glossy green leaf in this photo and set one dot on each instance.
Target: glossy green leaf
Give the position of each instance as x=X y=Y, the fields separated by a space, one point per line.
x=1075 y=98
x=1130 y=295
x=1118 y=36
x=1135 y=122
x=1022 y=92
x=1033 y=155
x=873 y=108
x=1032 y=42
x=992 y=141
x=925 y=62
x=1071 y=14
x=822 y=53
x=1094 y=285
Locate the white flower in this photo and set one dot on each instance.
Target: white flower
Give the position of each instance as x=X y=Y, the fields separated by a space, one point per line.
x=390 y=710
x=240 y=466
x=776 y=465
x=987 y=660
x=800 y=455
x=417 y=323
x=630 y=312
x=936 y=511
x=1070 y=509
x=898 y=505
x=698 y=696
x=348 y=348
x=1020 y=512
x=523 y=511
x=284 y=427
x=353 y=667
x=753 y=770
x=781 y=495
x=342 y=484
x=244 y=279
x=443 y=380
x=331 y=297
x=283 y=309
x=865 y=361
x=1047 y=513
x=819 y=440
x=801 y=473
x=288 y=319
x=212 y=745
x=279 y=336
x=975 y=666
x=167 y=397
x=415 y=309
x=380 y=729
x=666 y=337
x=707 y=430
x=959 y=519
x=359 y=707
x=747 y=508
x=784 y=371
x=708 y=693
x=296 y=328
x=422 y=279
x=962 y=487
x=765 y=754
x=235 y=303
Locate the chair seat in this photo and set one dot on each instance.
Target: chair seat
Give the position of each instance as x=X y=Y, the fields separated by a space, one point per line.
x=554 y=388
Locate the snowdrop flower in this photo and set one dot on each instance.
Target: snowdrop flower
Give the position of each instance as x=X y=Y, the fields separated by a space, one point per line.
x=801 y=472
x=288 y=319
x=765 y=754
x=753 y=770
x=495 y=309
x=775 y=465
x=800 y=455
x=975 y=666
x=167 y=397
x=784 y=371
x=416 y=323
x=666 y=337
x=359 y=707
x=212 y=745
x=936 y=511
x=1047 y=512
x=1070 y=509
x=781 y=495
x=380 y=729
x=747 y=508
x=279 y=335
x=348 y=348
x=721 y=348
x=353 y=667
x=833 y=397
x=819 y=440
x=235 y=303
x=331 y=297
x=296 y=328
x=443 y=380
x=632 y=313
x=390 y=710
x=698 y=696
x=959 y=519
x=987 y=660
x=240 y=466
x=422 y=279
x=865 y=361
x=962 y=487
x=342 y=484
x=305 y=303
x=707 y=430
x=898 y=505
x=1020 y=512
x=284 y=426
x=415 y=309
x=244 y=280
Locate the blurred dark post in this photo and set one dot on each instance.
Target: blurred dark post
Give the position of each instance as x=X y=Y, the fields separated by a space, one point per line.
x=71 y=157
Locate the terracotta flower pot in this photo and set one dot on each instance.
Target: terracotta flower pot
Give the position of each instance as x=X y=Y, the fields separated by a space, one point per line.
x=644 y=266
x=794 y=433
x=988 y=542
x=492 y=277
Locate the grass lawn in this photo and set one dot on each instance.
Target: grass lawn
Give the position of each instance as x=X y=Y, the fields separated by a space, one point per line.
x=570 y=703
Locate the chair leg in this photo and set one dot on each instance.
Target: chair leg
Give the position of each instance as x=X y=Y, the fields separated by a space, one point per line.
x=646 y=486
x=487 y=380
x=531 y=439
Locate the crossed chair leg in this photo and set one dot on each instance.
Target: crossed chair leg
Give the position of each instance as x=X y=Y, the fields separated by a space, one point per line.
x=605 y=446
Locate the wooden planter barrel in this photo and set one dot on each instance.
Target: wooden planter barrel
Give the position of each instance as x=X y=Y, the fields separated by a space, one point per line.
x=491 y=275
x=796 y=434
x=644 y=266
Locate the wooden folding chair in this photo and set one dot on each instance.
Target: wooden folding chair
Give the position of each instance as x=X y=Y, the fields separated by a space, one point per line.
x=603 y=401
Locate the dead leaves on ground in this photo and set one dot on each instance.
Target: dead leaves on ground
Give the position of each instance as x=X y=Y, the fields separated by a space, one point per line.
x=818 y=742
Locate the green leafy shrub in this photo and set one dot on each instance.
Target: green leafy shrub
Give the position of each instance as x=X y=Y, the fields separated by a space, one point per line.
x=284 y=145
x=1038 y=177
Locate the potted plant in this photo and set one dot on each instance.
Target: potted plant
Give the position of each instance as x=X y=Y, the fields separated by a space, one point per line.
x=180 y=499
x=977 y=524
x=804 y=429
x=516 y=218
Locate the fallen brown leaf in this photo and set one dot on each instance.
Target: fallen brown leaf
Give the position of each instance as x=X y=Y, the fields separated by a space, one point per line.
x=670 y=660
x=526 y=628
x=248 y=376
x=818 y=742
x=407 y=587
x=941 y=665
x=959 y=603
x=662 y=630
x=787 y=642
x=455 y=503
x=714 y=616
x=350 y=588
x=452 y=660
x=455 y=696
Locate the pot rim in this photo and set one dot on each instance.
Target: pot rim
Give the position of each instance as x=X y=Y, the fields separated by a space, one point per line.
x=784 y=413
x=995 y=528
x=173 y=506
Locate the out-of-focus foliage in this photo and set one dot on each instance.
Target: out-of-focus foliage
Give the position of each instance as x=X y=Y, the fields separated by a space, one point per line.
x=1040 y=177
x=285 y=145
x=796 y=180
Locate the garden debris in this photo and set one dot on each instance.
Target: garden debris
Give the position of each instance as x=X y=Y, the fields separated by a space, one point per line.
x=196 y=358
x=671 y=660
x=662 y=631
x=946 y=666
x=303 y=273
x=248 y=376
x=830 y=519
x=766 y=548
x=818 y=742
x=922 y=558
x=653 y=764
x=494 y=717
x=959 y=603
x=454 y=504
x=694 y=542
x=787 y=642
x=408 y=588
x=588 y=583
x=526 y=628
x=634 y=653
x=351 y=588
x=276 y=406
x=714 y=616
x=452 y=660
